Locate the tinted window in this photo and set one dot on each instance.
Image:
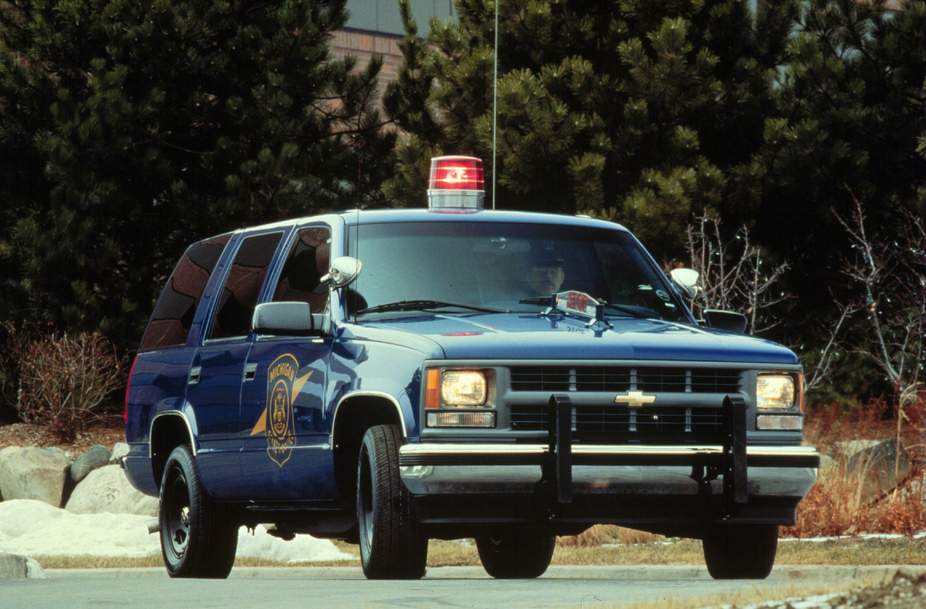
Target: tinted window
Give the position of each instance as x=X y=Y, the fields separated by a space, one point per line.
x=242 y=286
x=170 y=323
x=307 y=263
x=496 y=265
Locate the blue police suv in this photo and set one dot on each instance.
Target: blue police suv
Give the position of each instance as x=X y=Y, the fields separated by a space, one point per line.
x=387 y=377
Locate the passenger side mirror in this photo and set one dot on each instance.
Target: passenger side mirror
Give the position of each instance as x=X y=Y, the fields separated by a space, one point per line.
x=344 y=271
x=726 y=320
x=288 y=319
x=686 y=280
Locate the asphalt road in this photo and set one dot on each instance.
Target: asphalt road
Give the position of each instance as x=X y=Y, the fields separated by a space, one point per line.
x=284 y=588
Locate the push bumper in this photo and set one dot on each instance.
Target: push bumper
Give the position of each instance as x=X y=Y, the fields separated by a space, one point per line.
x=722 y=481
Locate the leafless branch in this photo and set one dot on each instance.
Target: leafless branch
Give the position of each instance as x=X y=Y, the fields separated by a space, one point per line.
x=734 y=274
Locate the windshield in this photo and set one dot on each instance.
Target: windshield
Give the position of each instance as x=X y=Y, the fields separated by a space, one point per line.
x=498 y=265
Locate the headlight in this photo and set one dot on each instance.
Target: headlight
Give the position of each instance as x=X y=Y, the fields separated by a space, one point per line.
x=463 y=388
x=775 y=392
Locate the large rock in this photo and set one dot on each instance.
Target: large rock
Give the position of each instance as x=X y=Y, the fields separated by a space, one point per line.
x=16 y=566
x=108 y=490
x=874 y=468
x=96 y=457
x=34 y=473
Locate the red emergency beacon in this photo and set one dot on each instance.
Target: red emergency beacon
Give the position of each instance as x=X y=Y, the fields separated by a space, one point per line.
x=457 y=184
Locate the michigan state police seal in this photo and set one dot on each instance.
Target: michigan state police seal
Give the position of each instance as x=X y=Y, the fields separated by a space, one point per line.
x=281 y=430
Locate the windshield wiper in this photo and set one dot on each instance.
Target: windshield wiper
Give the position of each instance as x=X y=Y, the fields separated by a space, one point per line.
x=417 y=305
x=628 y=311
x=537 y=300
x=546 y=300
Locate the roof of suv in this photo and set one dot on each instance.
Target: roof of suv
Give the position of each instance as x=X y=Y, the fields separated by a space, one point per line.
x=378 y=216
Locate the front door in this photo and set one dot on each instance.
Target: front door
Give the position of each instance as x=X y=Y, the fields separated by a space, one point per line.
x=284 y=434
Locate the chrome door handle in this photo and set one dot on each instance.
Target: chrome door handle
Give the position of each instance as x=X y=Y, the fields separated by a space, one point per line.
x=194 y=374
x=250 y=371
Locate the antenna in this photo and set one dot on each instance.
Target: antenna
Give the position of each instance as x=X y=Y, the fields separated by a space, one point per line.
x=359 y=199
x=495 y=106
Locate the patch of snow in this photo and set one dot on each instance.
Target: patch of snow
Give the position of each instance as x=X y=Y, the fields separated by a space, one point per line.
x=303 y=548
x=34 y=528
x=852 y=537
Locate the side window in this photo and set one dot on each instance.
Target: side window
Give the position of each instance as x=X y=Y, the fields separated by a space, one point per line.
x=173 y=315
x=242 y=286
x=307 y=263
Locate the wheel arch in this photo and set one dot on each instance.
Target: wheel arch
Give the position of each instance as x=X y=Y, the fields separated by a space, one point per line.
x=169 y=429
x=353 y=416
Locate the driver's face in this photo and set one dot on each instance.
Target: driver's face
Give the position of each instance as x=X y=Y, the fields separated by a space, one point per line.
x=547 y=280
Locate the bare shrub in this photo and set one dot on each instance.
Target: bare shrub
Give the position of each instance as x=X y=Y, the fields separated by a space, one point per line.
x=14 y=340
x=66 y=381
x=735 y=275
x=890 y=274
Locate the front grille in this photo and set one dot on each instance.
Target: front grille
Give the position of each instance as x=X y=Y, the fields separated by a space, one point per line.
x=540 y=378
x=607 y=424
x=623 y=378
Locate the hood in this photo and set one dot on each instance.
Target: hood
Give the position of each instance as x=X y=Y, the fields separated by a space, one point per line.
x=534 y=336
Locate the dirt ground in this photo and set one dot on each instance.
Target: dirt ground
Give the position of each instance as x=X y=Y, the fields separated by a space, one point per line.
x=25 y=434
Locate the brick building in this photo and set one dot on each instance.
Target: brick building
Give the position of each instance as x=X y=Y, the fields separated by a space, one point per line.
x=375 y=26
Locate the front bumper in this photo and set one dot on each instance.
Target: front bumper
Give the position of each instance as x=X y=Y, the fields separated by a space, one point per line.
x=450 y=469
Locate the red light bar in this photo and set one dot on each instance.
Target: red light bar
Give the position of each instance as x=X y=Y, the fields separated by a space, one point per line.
x=457 y=182
x=456 y=173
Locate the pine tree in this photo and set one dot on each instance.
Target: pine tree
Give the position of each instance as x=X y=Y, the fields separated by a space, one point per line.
x=132 y=128
x=852 y=109
x=646 y=112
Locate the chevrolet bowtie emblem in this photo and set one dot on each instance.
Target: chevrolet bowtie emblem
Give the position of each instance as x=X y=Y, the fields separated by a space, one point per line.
x=634 y=399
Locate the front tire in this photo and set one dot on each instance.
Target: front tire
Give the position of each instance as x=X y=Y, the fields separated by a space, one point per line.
x=198 y=539
x=741 y=551
x=392 y=544
x=516 y=556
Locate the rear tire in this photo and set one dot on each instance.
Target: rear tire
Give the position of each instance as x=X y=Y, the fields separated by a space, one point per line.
x=198 y=538
x=741 y=551
x=517 y=555
x=392 y=544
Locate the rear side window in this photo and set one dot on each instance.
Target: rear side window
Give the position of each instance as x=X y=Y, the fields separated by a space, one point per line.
x=306 y=264
x=170 y=323
x=242 y=286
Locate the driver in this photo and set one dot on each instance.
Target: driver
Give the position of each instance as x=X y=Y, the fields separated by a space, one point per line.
x=546 y=273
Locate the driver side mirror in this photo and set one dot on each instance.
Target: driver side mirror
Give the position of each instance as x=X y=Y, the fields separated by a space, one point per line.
x=686 y=280
x=289 y=319
x=343 y=272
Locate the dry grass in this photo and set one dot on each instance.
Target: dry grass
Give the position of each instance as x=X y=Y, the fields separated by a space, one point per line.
x=607 y=534
x=462 y=553
x=838 y=504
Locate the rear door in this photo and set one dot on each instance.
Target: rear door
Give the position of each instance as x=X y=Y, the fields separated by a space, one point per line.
x=286 y=456
x=217 y=371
